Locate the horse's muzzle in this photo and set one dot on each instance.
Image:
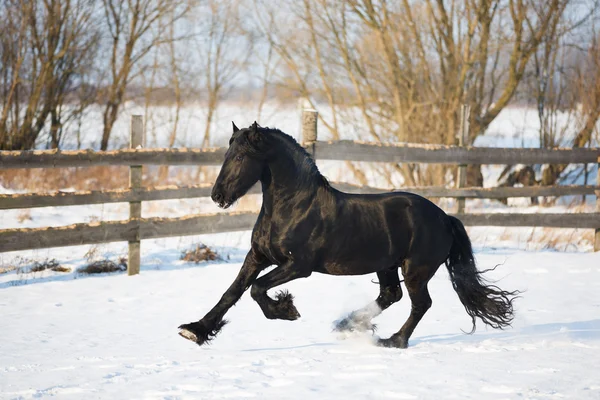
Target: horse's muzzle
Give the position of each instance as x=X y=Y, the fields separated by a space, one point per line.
x=219 y=198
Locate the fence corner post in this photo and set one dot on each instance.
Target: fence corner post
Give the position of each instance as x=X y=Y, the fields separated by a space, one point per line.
x=309 y=130
x=463 y=139
x=597 y=232
x=135 y=207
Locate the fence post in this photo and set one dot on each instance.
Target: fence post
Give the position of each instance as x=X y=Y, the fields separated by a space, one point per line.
x=597 y=233
x=135 y=182
x=463 y=139
x=309 y=130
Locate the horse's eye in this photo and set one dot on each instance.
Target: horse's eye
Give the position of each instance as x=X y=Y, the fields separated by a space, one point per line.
x=239 y=158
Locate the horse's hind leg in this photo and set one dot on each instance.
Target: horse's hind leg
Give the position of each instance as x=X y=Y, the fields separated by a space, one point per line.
x=390 y=292
x=416 y=277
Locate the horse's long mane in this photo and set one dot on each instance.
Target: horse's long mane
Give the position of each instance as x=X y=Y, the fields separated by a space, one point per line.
x=308 y=164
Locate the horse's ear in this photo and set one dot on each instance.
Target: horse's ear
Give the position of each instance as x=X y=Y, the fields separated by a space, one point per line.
x=254 y=135
x=235 y=128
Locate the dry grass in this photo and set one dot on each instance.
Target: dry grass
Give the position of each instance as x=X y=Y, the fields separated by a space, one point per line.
x=99 y=264
x=18 y=264
x=24 y=215
x=92 y=253
x=60 y=268
x=563 y=239
x=536 y=239
x=25 y=265
x=7 y=269
x=104 y=266
x=506 y=235
x=199 y=254
x=47 y=264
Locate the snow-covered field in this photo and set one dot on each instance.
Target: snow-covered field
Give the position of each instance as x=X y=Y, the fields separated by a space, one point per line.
x=115 y=337
x=66 y=335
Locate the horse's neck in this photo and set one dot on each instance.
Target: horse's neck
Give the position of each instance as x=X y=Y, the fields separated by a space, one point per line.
x=288 y=184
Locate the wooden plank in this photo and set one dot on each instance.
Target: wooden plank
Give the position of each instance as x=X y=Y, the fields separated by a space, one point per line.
x=72 y=235
x=402 y=153
x=135 y=207
x=477 y=192
x=105 y=232
x=309 y=130
x=582 y=221
x=88 y=158
x=55 y=199
x=150 y=228
x=463 y=139
x=339 y=150
x=117 y=231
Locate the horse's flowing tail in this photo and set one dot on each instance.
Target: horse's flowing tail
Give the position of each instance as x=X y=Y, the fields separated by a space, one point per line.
x=488 y=302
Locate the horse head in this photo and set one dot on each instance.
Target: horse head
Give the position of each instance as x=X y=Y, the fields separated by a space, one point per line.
x=243 y=166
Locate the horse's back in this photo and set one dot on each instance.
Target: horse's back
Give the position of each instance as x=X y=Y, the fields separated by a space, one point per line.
x=373 y=232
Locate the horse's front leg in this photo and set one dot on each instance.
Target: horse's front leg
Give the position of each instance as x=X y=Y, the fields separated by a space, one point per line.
x=283 y=307
x=208 y=327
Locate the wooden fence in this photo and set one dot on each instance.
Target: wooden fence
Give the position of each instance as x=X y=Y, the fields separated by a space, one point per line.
x=137 y=228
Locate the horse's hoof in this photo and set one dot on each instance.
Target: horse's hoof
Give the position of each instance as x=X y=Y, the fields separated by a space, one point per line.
x=393 y=342
x=294 y=314
x=198 y=333
x=350 y=324
x=291 y=314
x=193 y=332
x=184 y=333
x=285 y=308
x=288 y=313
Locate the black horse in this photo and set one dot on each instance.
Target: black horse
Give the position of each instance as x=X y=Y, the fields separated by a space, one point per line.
x=307 y=226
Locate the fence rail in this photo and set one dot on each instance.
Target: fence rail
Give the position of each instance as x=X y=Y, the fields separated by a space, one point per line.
x=118 y=231
x=56 y=199
x=342 y=150
x=125 y=157
x=153 y=228
x=437 y=154
x=137 y=228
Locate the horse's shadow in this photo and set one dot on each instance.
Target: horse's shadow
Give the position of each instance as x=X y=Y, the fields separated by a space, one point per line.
x=576 y=331
x=285 y=348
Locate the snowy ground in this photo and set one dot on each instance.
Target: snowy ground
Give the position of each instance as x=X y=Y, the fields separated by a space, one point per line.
x=65 y=335
x=76 y=337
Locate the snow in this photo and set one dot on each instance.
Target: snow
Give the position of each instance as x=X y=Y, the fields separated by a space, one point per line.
x=115 y=336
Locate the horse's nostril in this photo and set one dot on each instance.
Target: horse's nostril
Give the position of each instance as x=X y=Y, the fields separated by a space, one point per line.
x=217 y=197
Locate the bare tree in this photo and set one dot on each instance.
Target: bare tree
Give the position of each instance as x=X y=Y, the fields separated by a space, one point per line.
x=134 y=29
x=14 y=46
x=47 y=51
x=223 y=47
x=583 y=94
x=149 y=81
x=175 y=72
x=403 y=68
x=269 y=65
